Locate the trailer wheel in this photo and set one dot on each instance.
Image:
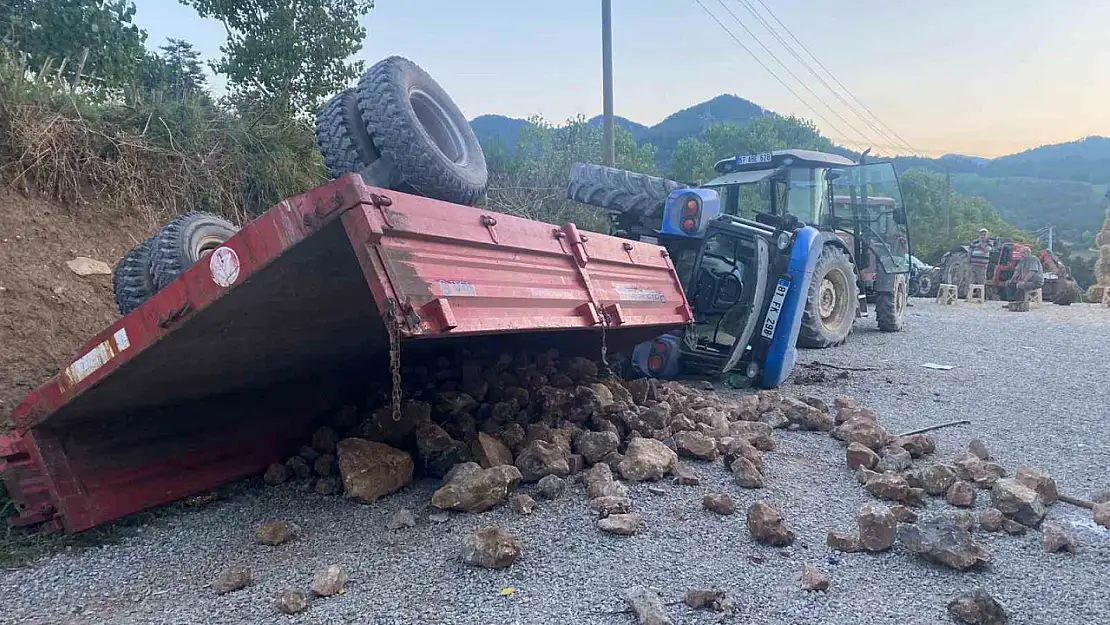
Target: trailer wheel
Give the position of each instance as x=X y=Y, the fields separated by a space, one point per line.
x=413 y=121
x=184 y=241
x=619 y=190
x=890 y=308
x=832 y=301
x=341 y=136
x=131 y=280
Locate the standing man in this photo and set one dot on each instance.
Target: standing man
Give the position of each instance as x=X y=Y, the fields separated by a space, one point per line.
x=981 y=249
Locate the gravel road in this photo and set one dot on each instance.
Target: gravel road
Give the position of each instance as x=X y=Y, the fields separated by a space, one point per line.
x=1035 y=386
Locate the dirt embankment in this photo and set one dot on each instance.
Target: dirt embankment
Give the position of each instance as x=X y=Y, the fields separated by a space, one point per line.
x=47 y=312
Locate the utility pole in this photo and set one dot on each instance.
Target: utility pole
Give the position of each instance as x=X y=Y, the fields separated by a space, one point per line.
x=608 y=147
x=1050 y=233
x=947 y=200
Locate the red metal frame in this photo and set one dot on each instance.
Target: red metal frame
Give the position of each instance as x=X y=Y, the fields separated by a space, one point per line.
x=108 y=435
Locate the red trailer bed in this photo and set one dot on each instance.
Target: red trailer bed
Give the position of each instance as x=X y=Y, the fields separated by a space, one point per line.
x=221 y=372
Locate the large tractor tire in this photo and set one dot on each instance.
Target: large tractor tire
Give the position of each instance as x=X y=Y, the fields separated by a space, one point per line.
x=832 y=301
x=131 y=280
x=956 y=269
x=890 y=308
x=414 y=123
x=341 y=136
x=184 y=241
x=619 y=190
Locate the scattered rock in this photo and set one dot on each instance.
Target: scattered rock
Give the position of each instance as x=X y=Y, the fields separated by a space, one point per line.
x=1018 y=502
x=963 y=519
x=893 y=487
x=991 y=519
x=610 y=504
x=646 y=459
x=576 y=463
x=904 y=514
x=85 y=266
x=646 y=606
x=325 y=465
x=540 y=459
x=814 y=579
x=1038 y=481
x=977 y=608
x=709 y=599
x=490 y=452
x=656 y=490
x=876 y=527
x=613 y=459
x=299 y=467
x=942 y=540
x=774 y=419
x=978 y=449
x=491 y=548
x=552 y=486
x=746 y=474
x=522 y=504
x=766 y=524
x=292 y=601
x=863 y=476
x=620 y=524
x=372 y=470
x=695 y=445
x=476 y=489
x=804 y=416
x=721 y=503
x=983 y=474
x=401 y=519
x=841 y=541
x=1101 y=514
x=894 y=459
x=741 y=448
x=594 y=446
x=232 y=579
x=937 y=479
x=439 y=517
x=276 y=474
x=329 y=581
x=328 y=486
x=917 y=444
x=598 y=480
x=437 y=451
x=863 y=431
x=816 y=402
x=961 y=494
x=273 y=534
x=1056 y=538
x=756 y=433
x=685 y=475
x=861 y=456
x=1012 y=527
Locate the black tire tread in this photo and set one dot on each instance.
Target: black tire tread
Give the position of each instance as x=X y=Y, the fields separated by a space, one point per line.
x=131 y=281
x=811 y=333
x=384 y=108
x=886 y=312
x=341 y=137
x=166 y=262
x=619 y=190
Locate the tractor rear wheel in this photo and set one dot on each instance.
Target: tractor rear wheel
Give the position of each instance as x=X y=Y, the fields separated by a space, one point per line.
x=890 y=308
x=184 y=241
x=956 y=270
x=832 y=301
x=131 y=280
x=341 y=136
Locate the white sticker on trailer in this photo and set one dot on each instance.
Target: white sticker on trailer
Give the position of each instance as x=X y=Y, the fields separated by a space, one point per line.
x=120 y=337
x=775 y=309
x=86 y=365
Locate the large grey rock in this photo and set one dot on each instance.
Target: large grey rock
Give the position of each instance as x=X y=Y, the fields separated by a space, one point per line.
x=766 y=524
x=860 y=455
x=721 y=503
x=620 y=524
x=755 y=432
x=893 y=487
x=961 y=494
x=593 y=446
x=1057 y=539
x=863 y=431
x=747 y=475
x=491 y=548
x=894 y=459
x=541 y=458
x=741 y=448
x=804 y=416
x=372 y=470
x=937 y=479
x=695 y=445
x=876 y=527
x=1039 y=481
x=477 y=491
x=329 y=581
x=552 y=487
x=917 y=444
x=646 y=459
x=646 y=606
x=942 y=540
x=978 y=608
x=1018 y=502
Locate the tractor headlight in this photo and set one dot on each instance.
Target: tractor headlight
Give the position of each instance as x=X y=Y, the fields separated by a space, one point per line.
x=783 y=240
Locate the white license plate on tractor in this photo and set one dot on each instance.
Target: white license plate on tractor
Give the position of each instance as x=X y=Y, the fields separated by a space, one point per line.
x=752 y=159
x=775 y=309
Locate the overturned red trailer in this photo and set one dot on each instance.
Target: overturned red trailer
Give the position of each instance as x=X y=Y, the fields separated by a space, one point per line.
x=225 y=370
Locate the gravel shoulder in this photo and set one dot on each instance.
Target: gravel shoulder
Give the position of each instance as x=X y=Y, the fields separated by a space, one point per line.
x=1033 y=384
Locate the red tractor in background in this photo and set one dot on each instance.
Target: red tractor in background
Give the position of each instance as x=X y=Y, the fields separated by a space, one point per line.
x=955 y=269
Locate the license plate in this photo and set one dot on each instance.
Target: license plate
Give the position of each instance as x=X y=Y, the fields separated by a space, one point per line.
x=773 y=312
x=749 y=159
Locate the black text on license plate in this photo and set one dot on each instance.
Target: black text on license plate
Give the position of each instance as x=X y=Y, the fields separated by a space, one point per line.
x=772 y=318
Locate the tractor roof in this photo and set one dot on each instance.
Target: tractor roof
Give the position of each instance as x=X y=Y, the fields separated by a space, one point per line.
x=781 y=158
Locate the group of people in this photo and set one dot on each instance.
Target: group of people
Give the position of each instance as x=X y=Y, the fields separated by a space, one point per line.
x=1028 y=273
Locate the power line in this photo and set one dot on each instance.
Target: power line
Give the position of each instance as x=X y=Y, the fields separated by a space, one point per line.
x=835 y=79
x=867 y=139
x=771 y=72
x=890 y=141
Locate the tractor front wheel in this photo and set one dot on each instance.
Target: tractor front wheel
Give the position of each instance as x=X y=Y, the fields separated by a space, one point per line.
x=890 y=308
x=832 y=301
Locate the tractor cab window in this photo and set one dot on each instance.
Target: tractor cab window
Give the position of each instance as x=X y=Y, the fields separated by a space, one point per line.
x=867 y=203
x=805 y=197
x=801 y=192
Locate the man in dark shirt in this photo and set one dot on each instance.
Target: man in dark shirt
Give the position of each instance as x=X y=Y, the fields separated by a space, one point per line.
x=981 y=249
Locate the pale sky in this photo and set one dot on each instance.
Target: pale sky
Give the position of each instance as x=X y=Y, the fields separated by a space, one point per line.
x=985 y=77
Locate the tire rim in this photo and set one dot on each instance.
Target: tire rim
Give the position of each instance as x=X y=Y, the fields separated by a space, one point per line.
x=832 y=299
x=205 y=245
x=438 y=123
x=901 y=296
x=924 y=285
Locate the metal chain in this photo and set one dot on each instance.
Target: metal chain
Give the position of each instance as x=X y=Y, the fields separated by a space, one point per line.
x=394 y=364
x=604 y=345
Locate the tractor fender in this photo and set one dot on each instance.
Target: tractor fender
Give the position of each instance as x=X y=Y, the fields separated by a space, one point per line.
x=782 y=353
